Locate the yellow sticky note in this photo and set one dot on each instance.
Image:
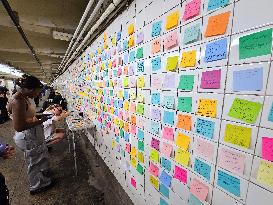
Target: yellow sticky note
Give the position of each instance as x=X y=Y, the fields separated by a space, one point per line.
x=133 y=152
x=113 y=143
x=112 y=110
x=125 y=82
x=154 y=182
x=120 y=94
x=134 y=162
x=105 y=45
x=104 y=36
x=172 y=20
x=140 y=157
x=154 y=155
x=188 y=59
x=207 y=108
x=121 y=124
x=238 y=135
x=140 y=98
x=116 y=121
x=172 y=63
x=182 y=157
x=126 y=105
x=140 y=82
x=113 y=40
x=132 y=95
x=265 y=173
x=182 y=141
x=131 y=41
x=131 y=29
x=110 y=64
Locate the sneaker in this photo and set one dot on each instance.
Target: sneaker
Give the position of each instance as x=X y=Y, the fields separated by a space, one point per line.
x=43 y=189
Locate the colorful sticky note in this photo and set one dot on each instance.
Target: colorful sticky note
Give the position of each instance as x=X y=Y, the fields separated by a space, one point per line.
x=267 y=148
x=132 y=56
x=232 y=161
x=133 y=162
x=154 y=181
x=139 y=53
x=202 y=168
x=184 y=104
x=153 y=169
x=169 y=81
x=140 y=145
x=204 y=149
x=207 y=108
x=156 y=81
x=184 y=122
x=245 y=110
x=155 y=114
x=229 y=183
x=165 y=179
x=140 y=169
x=217 y=25
x=186 y=82
x=131 y=29
x=156 y=46
x=211 y=79
x=199 y=189
x=156 y=63
x=216 y=50
x=164 y=190
x=131 y=41
x=248 y=80
x=192 y=9
x=166 y=164
x=215 y=4
x=191 y=34
x=140 y=82
x=182 y=157
x=238 y=135
x=168 y=102
x=171 y=40
x=156 y=28
x=155 y=143
x=155 y=126
x=181 y=174
x=172 y=63
x=140 y=38
x=270 y=115
x=265 y=175
x=140 y=67
x=205 y=128
x=172 y=20
x=154 y=155
x=133 y=182
x=188 y=59
x=182 y=141
x=168 y=133
x=166 y=149
x=162 y=202
x=155 y=98
x=193 y=200
x=140 y=109
x=256 y=44
x=168 y=117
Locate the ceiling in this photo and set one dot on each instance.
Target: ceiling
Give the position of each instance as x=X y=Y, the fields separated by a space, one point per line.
x=38 y=19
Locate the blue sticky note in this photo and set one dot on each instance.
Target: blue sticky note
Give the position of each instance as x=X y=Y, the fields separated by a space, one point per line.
x=168 y=102
x=140 y=134
x=165 y=163
x=156 y=29
x=163 y=202
x=155 y=126
x=270 y=115
x=229 y=183
x=155 y=98
x=156 y=63
x=126 y=94
x=165 y=179
x=205 y=128
x=140 y=67
x=164 y=190
x=132 y=56
x=202 y=168
x=168 y=117
x=248 y=80
x=193 y=200
x=126 y=137
x=192 y=34
x=216 y=50
x=215 y=4
x=125 y=45
x=118 y=35
x=125 y=58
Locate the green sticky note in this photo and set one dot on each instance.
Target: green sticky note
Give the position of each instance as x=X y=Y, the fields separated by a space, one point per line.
x=141 y=146
x=172 y=63
x=184 y=104
x=256 y=44
x=139 y=53
x=121 y=133
x=186 y=82
x=111 y=92
x=140 y=169
x=245 y=110
x=140 y=109
x=125 y=82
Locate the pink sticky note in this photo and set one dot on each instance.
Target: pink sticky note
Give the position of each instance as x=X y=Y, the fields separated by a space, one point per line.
x=119 y=71
x=156 y=81
x=180 y=174
x=114 y=63
x=117 y=131
x=126 y=115
x=128 y=147
x=155 y=144
x=211 y=79
x=204 y=149
x=199 y=189
x=168 y=133
x=171 y=40
x=133 y=182
x=120 y=115
x=232 y=160
x=192 y=9
x=141 y=122
x=167 y=149
x=267 y=148
x=133 y=129
x=153 y=169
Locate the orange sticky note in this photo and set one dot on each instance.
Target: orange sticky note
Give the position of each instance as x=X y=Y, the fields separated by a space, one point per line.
x=131 y=29
x=133 y=119
x=182 y=141
x=184 y=122
x=126 y=127
x=172 y=20
x=207 y=108
x=188 y=59
x=133 y=152
x=217 y=25
x=156 y=45
x=131 y=41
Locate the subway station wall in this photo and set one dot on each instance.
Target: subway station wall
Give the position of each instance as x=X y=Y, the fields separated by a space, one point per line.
x=181 y=93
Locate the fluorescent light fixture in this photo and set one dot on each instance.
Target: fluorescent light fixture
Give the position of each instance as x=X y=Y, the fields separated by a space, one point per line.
x=10 y=70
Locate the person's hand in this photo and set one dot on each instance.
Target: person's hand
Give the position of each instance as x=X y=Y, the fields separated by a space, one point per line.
x=10 y=152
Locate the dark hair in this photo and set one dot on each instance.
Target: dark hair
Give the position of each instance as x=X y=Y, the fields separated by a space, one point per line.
x=29 y=82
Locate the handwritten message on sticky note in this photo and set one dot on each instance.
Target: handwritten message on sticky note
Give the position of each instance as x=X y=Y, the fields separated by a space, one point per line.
x=181 y=174
x=204 y=149
x=131 y=41
x=140 y=53
x=172 y=63
x=156 y=81
x=184 y=104
x=140 y=82
x=153 y=169
x=229 y=183
x=140 y=109
x=166 y=164
x=140 y=145
x=191 y=34
x=267 y=148
x=154 y=182
x=155 y=126
x=182 y=141
x=182 y=157
x=154 y=155
x=215 y=4
x=245 y=110
x=168 y=117
x=155 y=98
x=192 y=9
x=211 y=79
x=131 y=29
x=202 y=168
x=165 y=179
x=199 y=189
x=155 y=143
x=238 y=135
x=270 y=115
x=140 y=38
x=217 y=25
x=169 y=81
x=156 y=28
x=156 y=63
x=166 y=149
x=168 y=102
x=232 y=161
x=168 y=133
x=171 y=40
x=184 y=122
x=155 y=114
x=188 y=59
x=193 y=200
x=207 y=108
x=156 y=46
x=256 y=44
x=216 y=50
x=248 y=80
x=172 y=20
x=186 y=82
x=264 y=175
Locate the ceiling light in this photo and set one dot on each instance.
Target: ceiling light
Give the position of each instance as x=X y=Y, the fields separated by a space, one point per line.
x=62 y=36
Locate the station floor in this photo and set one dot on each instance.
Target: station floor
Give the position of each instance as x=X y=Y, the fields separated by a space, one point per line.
x=94 y=184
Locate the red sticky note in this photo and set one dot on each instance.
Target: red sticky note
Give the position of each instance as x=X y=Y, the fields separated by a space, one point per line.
x=180 y=174
x=267 y=148
x=133 y=182
x=153 y=169
x=211 y=79
x=199 y=189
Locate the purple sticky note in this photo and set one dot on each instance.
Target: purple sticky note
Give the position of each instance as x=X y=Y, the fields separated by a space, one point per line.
x=140 y=38
x=211 y=79
x=155 y=144
x=169 y=81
